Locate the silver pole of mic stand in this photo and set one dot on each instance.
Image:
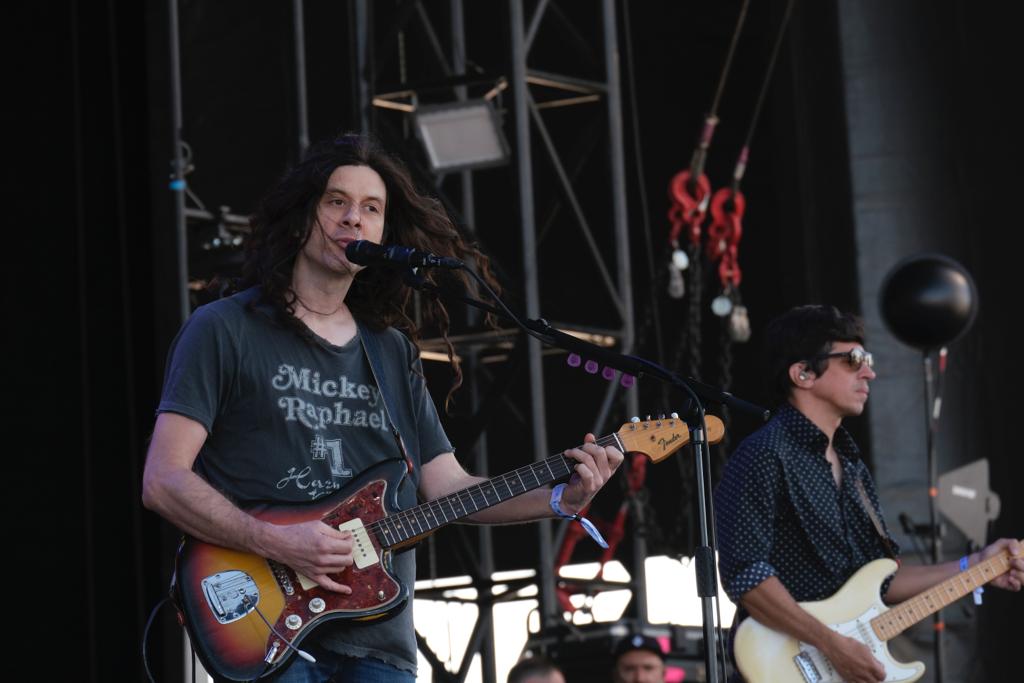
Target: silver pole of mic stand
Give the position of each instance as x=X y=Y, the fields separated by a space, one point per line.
x=706 y=585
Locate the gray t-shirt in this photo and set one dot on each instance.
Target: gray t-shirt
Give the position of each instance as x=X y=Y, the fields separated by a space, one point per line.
x=290 y=420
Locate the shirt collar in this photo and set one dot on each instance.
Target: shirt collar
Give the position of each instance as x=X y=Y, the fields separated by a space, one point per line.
x=805 y=433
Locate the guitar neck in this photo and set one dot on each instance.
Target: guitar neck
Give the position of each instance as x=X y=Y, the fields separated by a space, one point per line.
x=901 y=617
x=401 y=527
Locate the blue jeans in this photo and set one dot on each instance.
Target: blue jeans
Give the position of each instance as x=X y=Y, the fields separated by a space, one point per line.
x=334 y=668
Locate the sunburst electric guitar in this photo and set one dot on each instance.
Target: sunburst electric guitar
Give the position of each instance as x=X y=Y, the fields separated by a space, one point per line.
x=246 y=615
x=856 y=610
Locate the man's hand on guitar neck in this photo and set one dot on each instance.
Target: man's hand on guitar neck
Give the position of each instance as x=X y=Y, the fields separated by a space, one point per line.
x=312 y=549
x=912 y=579
x=596 y=466
x=1012 y=580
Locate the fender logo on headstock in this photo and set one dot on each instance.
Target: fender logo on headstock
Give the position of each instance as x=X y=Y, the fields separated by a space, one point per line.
x=665 y=443
x=658 y=438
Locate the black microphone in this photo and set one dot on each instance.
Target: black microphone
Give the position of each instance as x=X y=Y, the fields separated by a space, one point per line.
x=366 y=253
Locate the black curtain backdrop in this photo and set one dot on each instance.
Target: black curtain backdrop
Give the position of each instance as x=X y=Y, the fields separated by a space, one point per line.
x=89 y=277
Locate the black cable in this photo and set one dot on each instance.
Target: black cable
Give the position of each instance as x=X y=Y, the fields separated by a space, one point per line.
x=652 y=303
x=145 y=637
x=728 y=58
x=741 y=164
x=700 y=154
x=695 y=334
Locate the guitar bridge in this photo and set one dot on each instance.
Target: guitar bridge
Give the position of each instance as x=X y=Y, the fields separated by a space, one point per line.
x=805 y=664
x=230 y=595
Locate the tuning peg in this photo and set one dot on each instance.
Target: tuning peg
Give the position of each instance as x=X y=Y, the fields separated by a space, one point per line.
x=591 y=367
x=608 y=373
x=675 y=416
x=627 y=380
x=634 y=419
x=574 y=360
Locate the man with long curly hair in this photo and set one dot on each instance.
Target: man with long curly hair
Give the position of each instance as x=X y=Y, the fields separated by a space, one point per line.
x=269 y=394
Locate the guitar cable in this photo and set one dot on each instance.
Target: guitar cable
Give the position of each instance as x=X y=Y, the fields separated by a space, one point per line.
x=302 y=653
x=145 y=637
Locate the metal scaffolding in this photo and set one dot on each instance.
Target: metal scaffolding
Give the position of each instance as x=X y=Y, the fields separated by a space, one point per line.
x=529 y=135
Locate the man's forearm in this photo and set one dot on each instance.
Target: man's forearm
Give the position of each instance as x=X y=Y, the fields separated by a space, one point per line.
x=772 y=605
x=911 y=579
x=528 y=507
x=187 y=501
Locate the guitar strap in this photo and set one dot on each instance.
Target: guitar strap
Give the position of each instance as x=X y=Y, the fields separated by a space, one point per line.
x=386 y=384
x=870 y=509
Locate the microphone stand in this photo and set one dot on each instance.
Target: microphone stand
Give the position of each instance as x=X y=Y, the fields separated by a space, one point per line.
x=705 y=556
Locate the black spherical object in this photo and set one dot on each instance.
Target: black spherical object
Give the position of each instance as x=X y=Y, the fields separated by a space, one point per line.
x=928 y=300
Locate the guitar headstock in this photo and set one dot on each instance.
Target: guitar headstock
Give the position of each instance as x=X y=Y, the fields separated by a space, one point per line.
x=659 y=438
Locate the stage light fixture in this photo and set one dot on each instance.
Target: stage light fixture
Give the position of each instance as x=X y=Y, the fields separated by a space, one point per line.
x=461 y=135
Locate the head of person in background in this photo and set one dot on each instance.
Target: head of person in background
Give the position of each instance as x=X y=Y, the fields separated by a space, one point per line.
x=638 y=659
x=535 y=670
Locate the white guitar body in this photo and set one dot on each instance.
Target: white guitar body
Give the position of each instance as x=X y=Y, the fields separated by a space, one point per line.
x=764 y=655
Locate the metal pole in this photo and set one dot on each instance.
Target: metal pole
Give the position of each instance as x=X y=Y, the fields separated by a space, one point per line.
x=362 y=43
x=178 y=164
x=933 y=512
x=301 y=105
x=616 y=151
x=707 y=580
x=488 y=656
x=530 y=276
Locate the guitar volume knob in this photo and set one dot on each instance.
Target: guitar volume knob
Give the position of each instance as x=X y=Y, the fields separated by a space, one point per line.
x=294 y=622
x=317 y=605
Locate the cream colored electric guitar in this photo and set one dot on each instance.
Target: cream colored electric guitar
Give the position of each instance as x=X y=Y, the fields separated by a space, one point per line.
x=764 y=655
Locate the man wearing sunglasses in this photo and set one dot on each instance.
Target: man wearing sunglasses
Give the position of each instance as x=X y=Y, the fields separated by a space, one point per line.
x=797 y=512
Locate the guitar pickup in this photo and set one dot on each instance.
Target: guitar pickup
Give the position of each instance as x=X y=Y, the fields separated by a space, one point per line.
x=363 y=552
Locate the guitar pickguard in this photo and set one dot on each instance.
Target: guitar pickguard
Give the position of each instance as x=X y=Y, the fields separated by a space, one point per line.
x=815 y=667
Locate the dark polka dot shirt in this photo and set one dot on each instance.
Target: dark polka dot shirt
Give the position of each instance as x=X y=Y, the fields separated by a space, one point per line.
x=779 y=512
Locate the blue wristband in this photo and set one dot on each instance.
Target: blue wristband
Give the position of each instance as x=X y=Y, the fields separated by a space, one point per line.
x=556 y=499
x=964 y=564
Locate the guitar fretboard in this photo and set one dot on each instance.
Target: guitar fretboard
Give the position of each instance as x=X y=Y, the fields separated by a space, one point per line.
x=904 y=615
x=408 y=524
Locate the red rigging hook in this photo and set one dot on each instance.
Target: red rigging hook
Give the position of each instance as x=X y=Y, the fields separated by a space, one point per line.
x=689 y=204
x=727 y=207
x=729 y=269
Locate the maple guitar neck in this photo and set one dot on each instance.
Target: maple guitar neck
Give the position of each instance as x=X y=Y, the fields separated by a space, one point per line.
x=897 y=619
x=655 y=439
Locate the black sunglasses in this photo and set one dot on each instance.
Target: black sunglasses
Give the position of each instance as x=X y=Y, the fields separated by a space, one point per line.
x=855 y=358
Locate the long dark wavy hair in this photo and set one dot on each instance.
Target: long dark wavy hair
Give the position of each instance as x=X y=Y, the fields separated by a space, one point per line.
x=378 y=297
